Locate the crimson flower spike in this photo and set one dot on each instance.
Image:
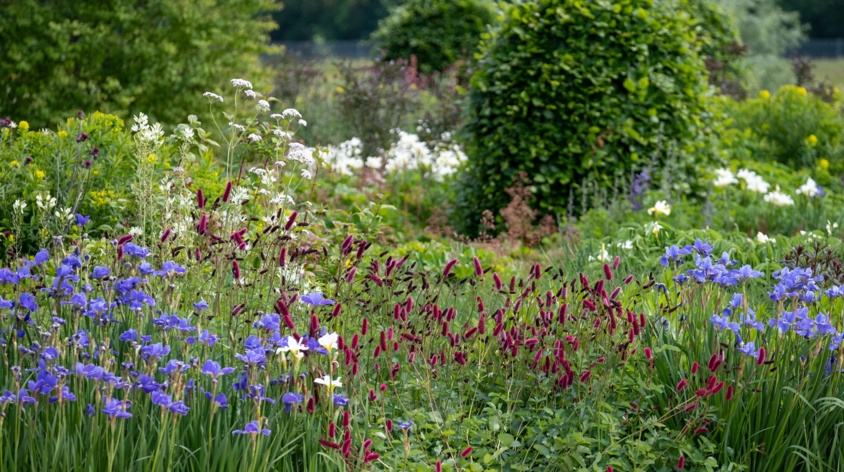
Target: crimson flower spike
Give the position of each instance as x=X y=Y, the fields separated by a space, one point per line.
x=200 y=199
x=165 y=235
x=291 y=220
x=227 y=193
x=479 y=271
x=448 y=266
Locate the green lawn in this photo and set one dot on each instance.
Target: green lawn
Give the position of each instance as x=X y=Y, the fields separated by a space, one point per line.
x=831 y=70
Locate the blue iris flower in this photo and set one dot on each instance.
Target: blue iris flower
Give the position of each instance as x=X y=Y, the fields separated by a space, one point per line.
x=133 y=250
x=220 y=399
x=749 y=349
x=27 y=300
x=340 y=400
x=316 y=299
x=117 y=408
x=82 y=220
x=200 y=305
x=252 y=428
x=290 y=399
x=100 y=272
x=213 y=369
x=253 y=356
x=41 y=257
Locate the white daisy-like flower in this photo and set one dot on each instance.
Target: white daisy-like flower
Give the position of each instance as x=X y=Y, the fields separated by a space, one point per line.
x=250 y=94
x=255 y=138
x=263 y=105
x=212 y=96
x=242 y=83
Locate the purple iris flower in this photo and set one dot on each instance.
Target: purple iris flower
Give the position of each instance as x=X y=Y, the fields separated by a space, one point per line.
x=269 y=322
x=72 y=261
x=253 y=356
x=129 y=336
x=290 y=399
x=834 y=292
x=7 y=276
x=8 y=304
x=746 y=273
x=133 y=250
x=116 y=408
x=723 y=323
x=405 y=425
x=154 y=351
x=252 y=428
x=147 y=384
x=145 y=268
x=674 y=254
x=77 y=300
x=749 y=319
x=101 y=272
x=27 y=300
x=701 y=247
x=23 y=398
x=49 y=354
x=219 y=399
x=170 y=268
x=252 y=342
x=67 y=395
x=205 y=338
x=82 y=220
x=90 y=411
x=179 y=408
x=161 y=399
x=749 y=349
x=340 y=400
x=213 y=369
x=200 y=305
x=41 y=257
x=316 y=299
x=173 y=366
x=681 y=279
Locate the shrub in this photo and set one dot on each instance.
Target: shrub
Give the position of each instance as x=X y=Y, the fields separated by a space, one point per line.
x=791 y=126
x=157 y=58
x=438 y=32
x=569 y=93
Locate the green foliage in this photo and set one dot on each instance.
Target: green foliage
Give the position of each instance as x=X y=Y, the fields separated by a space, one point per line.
x=769 y=32
x=438 y=32
x=124 y=57
x=570 y=93
x=791 y=126
x=305 y=20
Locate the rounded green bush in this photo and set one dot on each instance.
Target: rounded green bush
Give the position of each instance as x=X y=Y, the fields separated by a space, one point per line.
x=570 y=92
x=438 y=32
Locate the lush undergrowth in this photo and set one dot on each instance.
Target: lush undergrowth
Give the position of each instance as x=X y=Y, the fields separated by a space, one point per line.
x=224 y=297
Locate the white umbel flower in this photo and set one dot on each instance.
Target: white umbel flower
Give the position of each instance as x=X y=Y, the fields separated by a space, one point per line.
x=242 y=83
x=212 y=96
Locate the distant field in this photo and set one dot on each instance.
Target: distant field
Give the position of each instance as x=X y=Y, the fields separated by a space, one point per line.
x=831 y=70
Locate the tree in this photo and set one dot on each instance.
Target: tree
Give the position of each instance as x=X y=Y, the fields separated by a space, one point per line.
x=124 y=56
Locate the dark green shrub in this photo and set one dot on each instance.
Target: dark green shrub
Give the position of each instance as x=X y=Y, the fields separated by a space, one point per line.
x=570 y=92
x=124 y=56
x=438 y=32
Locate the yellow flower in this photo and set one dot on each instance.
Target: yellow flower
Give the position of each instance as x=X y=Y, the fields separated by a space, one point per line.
x=812 y=140
x=11 y=237
x=23 y=126
x=39 y=174
x=62 y=134
x=15 y=164
x=823 y=164
x=801 y=91
x=151 y=158
x=765 y=94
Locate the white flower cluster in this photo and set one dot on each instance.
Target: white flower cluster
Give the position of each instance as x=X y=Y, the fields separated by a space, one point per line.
x=407 y=154
x=45 y=203
x=724 y=177
x=778 y=198
x=809 y=189
x=146 y=133
x=754 y=182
